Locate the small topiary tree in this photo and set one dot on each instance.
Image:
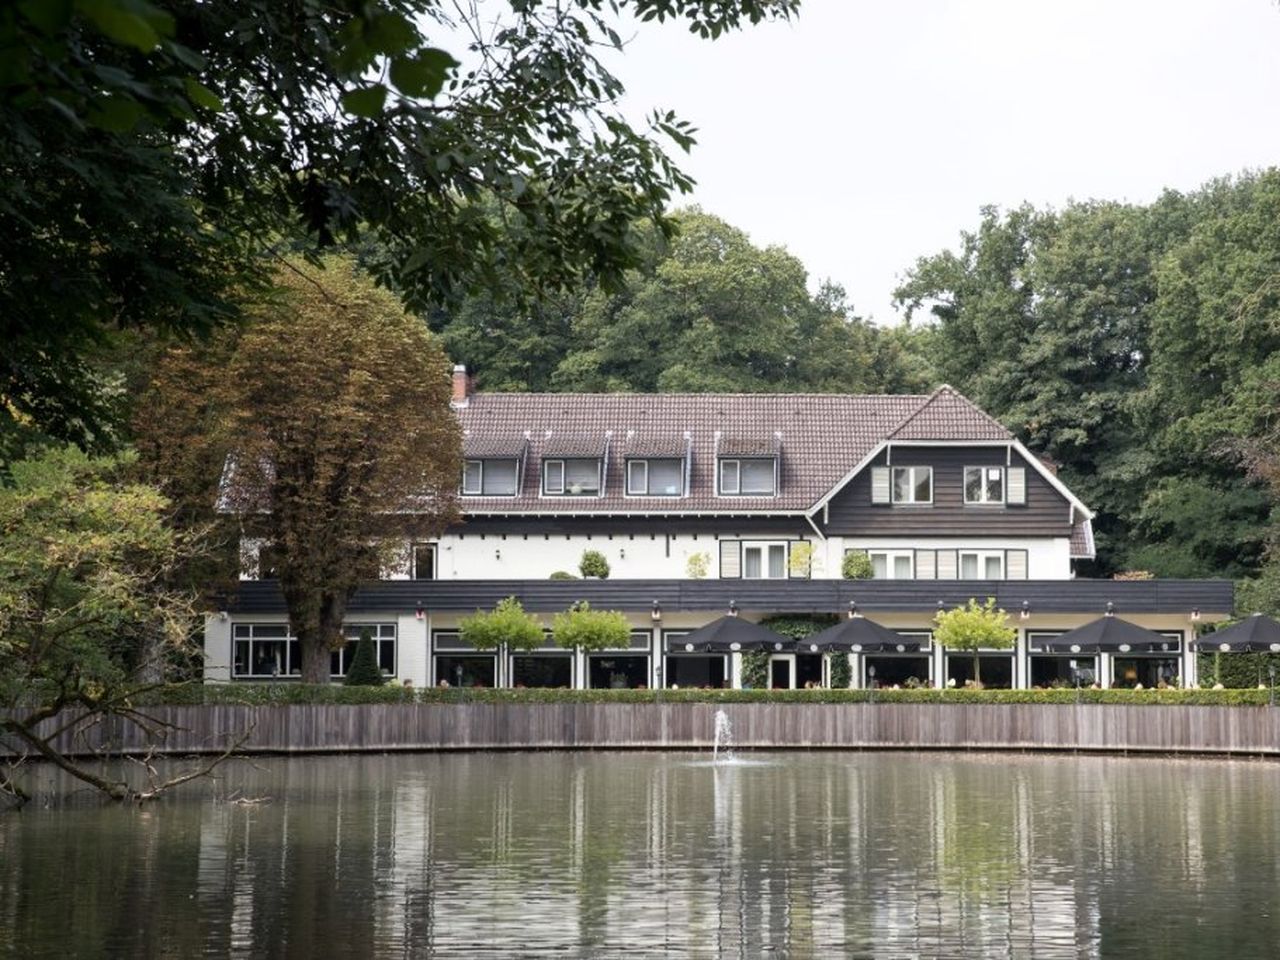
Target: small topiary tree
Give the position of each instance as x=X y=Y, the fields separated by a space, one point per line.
x=593 y=564
x=580 y=626
x=562 y=575
x=841 y=672
x=364 y=670
x=856 y=566
x=697 y=565
x=755 y=669
x=506 y=623
x=973 y=627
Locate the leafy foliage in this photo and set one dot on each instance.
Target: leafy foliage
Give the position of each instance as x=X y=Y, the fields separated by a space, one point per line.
x=580 y=627
x=593 y=564
x=856 y=565
x=506 y=623
x=974 y=626
x=755 y=669
x=561 y=575
x=841 y=672
x=697 y=565
x=364 y=670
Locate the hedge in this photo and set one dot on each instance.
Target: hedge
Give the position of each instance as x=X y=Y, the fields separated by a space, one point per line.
x=294 y=693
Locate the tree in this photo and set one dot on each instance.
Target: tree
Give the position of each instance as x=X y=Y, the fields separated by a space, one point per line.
x=364 y=670
x=331 y=409
x=580 y=627
x=856 y=565
x=593 y=564
x=159 y=153
x=973 y=627
x=507 y=623
x=85 y=563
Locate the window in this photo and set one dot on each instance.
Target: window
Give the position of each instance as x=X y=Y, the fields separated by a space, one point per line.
x=571 y=478
x=748 y=478
x=655 y=478
x=264 y=650
x=982 y=565
x=764 y=561
x=489 y=478
x=984 y=484
x=892 y=564
x=384 y=646
x=913 y=484
x=424 y=561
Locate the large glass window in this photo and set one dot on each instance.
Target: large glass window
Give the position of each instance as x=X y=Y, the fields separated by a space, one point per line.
x=892 y=564
x=984 y=484
x=490 y=478
x=890 y=670
x=913 y=484
x=571 y=478
x=764 y=561
x=384 y=645
x=655 y=478
x=982 y=565
x=465 y=670
x=542 y=670
x=611 y=671
x=995 y=670
x=264 y=650
x=748 y=478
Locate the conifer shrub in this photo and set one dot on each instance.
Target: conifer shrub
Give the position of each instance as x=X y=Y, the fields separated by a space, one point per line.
x=364 y=670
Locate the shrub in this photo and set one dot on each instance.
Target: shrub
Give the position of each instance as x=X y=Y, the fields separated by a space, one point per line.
x=755 y=669
x=580 y=626
x=973 y=627
x=593 y=564
x=841 y=672
x=697 y=565
x=364 y=670
x=506 y=623
x=856 y=566
x=800 y=560
x=562 y=575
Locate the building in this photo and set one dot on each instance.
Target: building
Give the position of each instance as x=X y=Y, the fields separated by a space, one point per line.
x=703 y=502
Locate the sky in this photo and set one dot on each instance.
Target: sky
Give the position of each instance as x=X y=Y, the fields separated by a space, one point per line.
x=864 y=135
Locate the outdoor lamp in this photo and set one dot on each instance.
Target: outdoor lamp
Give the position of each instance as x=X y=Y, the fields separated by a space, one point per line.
x=656 y=614
x=1111 y=609
x=420 y=612
x=853 y=609
x=941 y=606
x=733 y=608
x=1026 y=610
x=1195 y=614
x=735 y=646
x=497 y=554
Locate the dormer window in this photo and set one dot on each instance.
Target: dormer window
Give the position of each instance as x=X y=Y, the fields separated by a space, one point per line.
x=490 y=478
x=748 y=477
x=913 y=484
x=578 y=477
x=984 y=485
x=655 y=477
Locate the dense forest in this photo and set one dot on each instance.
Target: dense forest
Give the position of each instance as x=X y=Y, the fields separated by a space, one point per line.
x=1135 y=346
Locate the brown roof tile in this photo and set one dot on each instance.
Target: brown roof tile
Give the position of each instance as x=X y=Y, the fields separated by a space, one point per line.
x=947 y=415
x=479 y=446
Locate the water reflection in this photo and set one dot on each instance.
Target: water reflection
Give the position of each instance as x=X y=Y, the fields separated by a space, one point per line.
x=588 y=855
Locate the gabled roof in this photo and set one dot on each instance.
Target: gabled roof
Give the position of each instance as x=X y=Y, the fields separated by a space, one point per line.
x=818 y=437
x=947 y=415
x=1082 y=547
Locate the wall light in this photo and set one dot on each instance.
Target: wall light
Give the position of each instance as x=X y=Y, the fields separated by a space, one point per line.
x=733 y=608
x=622 y=553
x=1195 y=615
x=1026 y=610
x=1111 y=609
x=420 y=612
x=656 y=614
x=497 y=554
x=853 y=609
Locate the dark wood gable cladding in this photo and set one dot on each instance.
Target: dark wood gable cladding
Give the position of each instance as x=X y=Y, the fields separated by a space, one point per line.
x=851 y=512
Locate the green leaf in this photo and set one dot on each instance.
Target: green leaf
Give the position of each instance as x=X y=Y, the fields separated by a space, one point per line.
x=422 y=75
x=366 y=101
x=116 y=114
x=202 y=96
x=49 y=16
x=131 y=22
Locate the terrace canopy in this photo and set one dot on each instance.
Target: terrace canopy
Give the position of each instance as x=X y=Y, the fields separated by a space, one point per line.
x=1255 y=634
x=729 y=634
x=1108 y=634
x=860 y=635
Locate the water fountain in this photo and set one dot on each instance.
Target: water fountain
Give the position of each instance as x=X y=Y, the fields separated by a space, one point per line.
x=723 y=742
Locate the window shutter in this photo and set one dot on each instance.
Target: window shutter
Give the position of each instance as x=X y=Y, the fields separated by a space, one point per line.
x=926 y=564
x=730 y=559
x=879 y=484
x=947 y=564
x=1015 y=564
x=1015 y=492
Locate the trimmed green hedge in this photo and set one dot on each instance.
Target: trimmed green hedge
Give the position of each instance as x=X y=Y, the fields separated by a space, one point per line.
x=287 y=693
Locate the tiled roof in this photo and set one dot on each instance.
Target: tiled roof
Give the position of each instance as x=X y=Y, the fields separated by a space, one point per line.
x=1082 y=547
x=947 y=415
x=573 y=443
x=484 y=445
x=749 y=445
x=820 y=438
x=670 y=445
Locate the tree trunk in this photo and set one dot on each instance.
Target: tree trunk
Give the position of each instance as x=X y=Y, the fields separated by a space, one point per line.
x=977 y=669
x=318 y=635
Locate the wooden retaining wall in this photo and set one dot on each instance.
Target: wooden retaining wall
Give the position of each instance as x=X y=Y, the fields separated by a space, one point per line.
x=476 y=726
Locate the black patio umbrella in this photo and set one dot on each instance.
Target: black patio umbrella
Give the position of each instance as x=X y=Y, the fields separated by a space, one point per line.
x=1255 y=634
x=729 y=635
x=860 y=635
x=1108 y=635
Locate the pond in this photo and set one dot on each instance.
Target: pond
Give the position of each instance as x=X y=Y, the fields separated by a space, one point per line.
x=595 y=854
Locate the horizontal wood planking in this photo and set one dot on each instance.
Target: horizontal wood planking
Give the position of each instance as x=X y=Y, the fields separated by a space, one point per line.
x=475 y=726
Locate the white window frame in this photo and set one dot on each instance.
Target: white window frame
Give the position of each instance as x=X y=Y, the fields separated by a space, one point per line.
x=981 y=558
x=562 y=489
x=246 y=633
x=472 y=491
x=985 y=497
x=481 y=462
x=764 y=546
x=635 y=462
x=548 y=489
x=383 y=633
x=911 y=485
x=889 y=557
x=434 y=549
x=723 y=489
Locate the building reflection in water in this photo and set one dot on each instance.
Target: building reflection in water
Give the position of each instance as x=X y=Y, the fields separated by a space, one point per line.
x=584 y=855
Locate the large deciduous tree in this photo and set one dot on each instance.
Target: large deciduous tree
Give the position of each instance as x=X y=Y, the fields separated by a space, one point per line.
x=157 y=152
x=332 y=408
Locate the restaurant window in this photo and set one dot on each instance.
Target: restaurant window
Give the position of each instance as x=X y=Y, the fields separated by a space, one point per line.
x=913 y=484
x=655 y=478
x=264 y=651
x=383 y=636
x=984 y=484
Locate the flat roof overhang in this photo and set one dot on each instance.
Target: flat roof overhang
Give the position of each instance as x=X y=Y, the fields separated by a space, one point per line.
x=1212 y=598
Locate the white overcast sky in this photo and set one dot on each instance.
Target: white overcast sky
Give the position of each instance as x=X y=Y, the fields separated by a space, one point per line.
x=866 y=134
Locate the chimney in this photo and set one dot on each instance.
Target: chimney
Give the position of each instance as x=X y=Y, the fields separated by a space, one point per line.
x=461 y=386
